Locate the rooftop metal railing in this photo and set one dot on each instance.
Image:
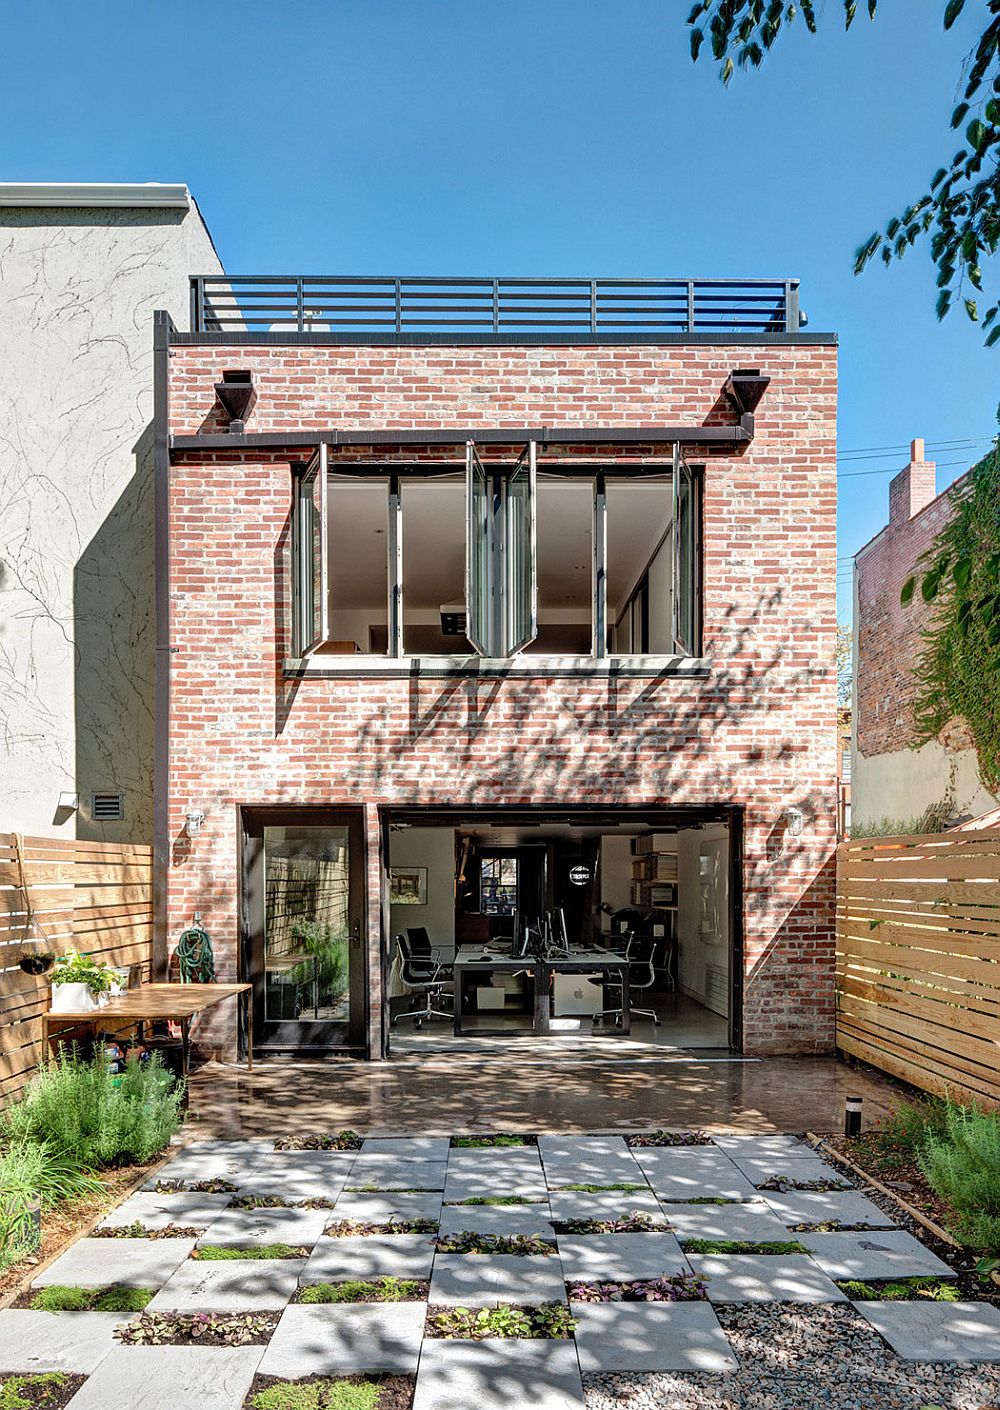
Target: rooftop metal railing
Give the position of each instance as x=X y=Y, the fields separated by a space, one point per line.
x=308 y=304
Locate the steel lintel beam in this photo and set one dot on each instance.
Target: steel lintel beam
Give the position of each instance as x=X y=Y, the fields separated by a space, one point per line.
x=723 y=436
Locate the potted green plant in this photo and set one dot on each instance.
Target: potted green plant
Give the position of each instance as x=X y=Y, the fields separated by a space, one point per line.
x=80 y=984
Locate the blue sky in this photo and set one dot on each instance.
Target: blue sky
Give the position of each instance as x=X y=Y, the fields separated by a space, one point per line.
x=543 y=137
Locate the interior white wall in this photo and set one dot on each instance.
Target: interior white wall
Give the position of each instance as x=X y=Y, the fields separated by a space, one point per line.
x=616 y=871
x=697 y=950
x=433 y=848
x=660 y=600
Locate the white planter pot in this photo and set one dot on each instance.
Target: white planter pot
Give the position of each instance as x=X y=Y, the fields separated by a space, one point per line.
x=72 y=998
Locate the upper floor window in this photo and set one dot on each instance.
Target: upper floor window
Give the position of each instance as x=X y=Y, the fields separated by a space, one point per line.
x=504 y=559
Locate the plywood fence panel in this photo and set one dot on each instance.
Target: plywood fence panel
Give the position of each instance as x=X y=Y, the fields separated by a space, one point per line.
x=92 y=897
x=918 y=959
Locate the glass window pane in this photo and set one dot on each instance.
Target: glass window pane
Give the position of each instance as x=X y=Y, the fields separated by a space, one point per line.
x=306 y=924
x=519 y=546
x=498 y=885
x=478 y=564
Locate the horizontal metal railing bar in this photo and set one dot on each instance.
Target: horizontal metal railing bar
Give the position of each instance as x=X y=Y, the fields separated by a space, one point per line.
x=298 y=303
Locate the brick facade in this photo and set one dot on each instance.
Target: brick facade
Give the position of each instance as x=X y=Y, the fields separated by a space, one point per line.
x=889 y=636
x=759 y=732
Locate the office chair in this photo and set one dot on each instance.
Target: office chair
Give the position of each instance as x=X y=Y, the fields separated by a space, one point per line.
x=641 y=975
x=424 y=976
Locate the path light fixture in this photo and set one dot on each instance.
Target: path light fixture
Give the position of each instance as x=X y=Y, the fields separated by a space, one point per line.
x=193 y=822
x=852 y=1116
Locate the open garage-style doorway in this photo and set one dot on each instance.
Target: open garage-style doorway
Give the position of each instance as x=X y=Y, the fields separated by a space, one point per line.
x=475 y=899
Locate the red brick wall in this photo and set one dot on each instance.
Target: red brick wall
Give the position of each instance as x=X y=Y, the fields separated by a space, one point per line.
x=889 y=636
x=759 y=732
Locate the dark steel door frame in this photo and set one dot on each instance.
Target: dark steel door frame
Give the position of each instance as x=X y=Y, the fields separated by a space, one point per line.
x=252 y=821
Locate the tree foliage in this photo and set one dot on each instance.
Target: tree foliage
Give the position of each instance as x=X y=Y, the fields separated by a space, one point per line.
x=959 y=212
x=958 y=671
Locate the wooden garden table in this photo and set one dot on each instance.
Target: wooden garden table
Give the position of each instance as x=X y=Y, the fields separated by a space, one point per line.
x=150 y=1003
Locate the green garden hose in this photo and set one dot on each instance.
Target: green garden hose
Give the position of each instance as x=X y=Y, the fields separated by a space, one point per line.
x=194 y=955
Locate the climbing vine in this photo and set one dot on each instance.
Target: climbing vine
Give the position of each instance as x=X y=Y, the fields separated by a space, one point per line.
x=958 y=669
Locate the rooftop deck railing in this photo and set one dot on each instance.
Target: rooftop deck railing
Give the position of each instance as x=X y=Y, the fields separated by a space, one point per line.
x=311 y=304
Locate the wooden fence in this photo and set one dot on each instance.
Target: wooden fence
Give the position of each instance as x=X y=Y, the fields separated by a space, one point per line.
x=93 y=897
x=918 y=959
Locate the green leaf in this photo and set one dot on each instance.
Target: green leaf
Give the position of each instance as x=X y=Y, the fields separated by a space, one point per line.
x=907 y=591
x=929 y=586
x=959 y=114
x=697 y=40
x=943 y=303
x=952 y=11
x=727 y=71
x=971 y=310
x=976 y=135
x=994 y=336
x=962 y=572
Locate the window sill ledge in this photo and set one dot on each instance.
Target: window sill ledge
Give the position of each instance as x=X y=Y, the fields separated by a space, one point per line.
x=515 y=667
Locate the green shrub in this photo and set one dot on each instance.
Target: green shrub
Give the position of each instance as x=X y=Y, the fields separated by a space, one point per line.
x=773 y=1246
x=904 y=1131
x=221 y=1253
x=961 y=1163
x=82 y=1110
x=114 y=1298
x=27 y=1392
x=362 y=1290
x=318 y=1395
x=34 y=1177
x=902 y=1290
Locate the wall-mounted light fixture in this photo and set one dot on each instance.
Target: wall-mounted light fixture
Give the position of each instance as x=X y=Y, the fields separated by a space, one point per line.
x=794 y=818
x=193 y=822
x=236 y=396
x=69 y=802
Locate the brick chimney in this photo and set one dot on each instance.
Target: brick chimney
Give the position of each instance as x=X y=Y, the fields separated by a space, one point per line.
x=913 y=488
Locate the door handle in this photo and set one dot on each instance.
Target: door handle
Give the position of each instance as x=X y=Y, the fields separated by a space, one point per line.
x=356 y=935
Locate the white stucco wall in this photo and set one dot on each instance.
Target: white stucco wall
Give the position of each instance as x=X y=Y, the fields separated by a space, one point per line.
x=79 y=286
x=899 y=787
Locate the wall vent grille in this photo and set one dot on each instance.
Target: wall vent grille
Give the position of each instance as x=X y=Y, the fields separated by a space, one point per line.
x=108 y=807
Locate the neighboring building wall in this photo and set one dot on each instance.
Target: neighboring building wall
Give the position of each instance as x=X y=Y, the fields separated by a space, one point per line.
x=892 y=782
x=758 y=732
x=80 y=282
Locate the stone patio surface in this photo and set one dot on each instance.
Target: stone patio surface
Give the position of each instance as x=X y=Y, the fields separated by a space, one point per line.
x=684 y=1340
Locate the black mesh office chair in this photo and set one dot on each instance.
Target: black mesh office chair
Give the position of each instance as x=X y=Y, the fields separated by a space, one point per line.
x=422 y=974
x=639 y=951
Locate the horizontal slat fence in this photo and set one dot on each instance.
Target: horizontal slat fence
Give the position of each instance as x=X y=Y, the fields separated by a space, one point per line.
x=92 y=897
x=918 y=959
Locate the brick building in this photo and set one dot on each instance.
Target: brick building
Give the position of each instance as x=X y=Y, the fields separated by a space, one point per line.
x=893 y=784
x=520 y=621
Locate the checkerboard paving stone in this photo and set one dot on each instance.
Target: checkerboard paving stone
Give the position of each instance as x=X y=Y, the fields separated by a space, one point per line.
x=527 y=1182
x=505 y=1219
x=232 y=1285
x=651 y=1336
x=593 y=1160
x=741 y=1277
x=495 y=1163
x=170 y=1378
x=892 y=1254
x=386 y=1172
x=480 y=1280
x=408 y=1147
x=560 y=1147
x=937 y=1331
x=208 y=1160
x=757 y=1147
x=787 y=1167
x=187 y=1211
x=344 y=1338
x=752 y=1221
x=93 y=1263
x=609 y=1204
x=299 y=1175
x=242 y=1228
x=677 y=1176
x=820 y=1206
x=334 y=1260
x=457 y=1375
x=76 y=1342
x=377 y=1209
x=600 y=1257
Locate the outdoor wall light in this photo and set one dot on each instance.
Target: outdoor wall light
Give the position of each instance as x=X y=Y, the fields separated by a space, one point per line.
x=794 y=819
x=193 y=822
x=69 y=802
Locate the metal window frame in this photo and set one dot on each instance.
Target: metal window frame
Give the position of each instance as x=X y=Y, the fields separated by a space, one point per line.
x=498 y=641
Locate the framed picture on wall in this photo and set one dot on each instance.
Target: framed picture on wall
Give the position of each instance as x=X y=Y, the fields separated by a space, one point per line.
x=408 y=886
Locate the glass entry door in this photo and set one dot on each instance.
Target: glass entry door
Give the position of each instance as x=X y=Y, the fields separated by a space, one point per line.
x=304 y=914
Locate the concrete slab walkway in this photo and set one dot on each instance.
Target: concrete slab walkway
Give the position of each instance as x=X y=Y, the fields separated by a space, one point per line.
x=519 y=1192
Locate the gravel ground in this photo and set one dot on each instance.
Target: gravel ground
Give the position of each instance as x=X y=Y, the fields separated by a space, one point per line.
x=802 y=1358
